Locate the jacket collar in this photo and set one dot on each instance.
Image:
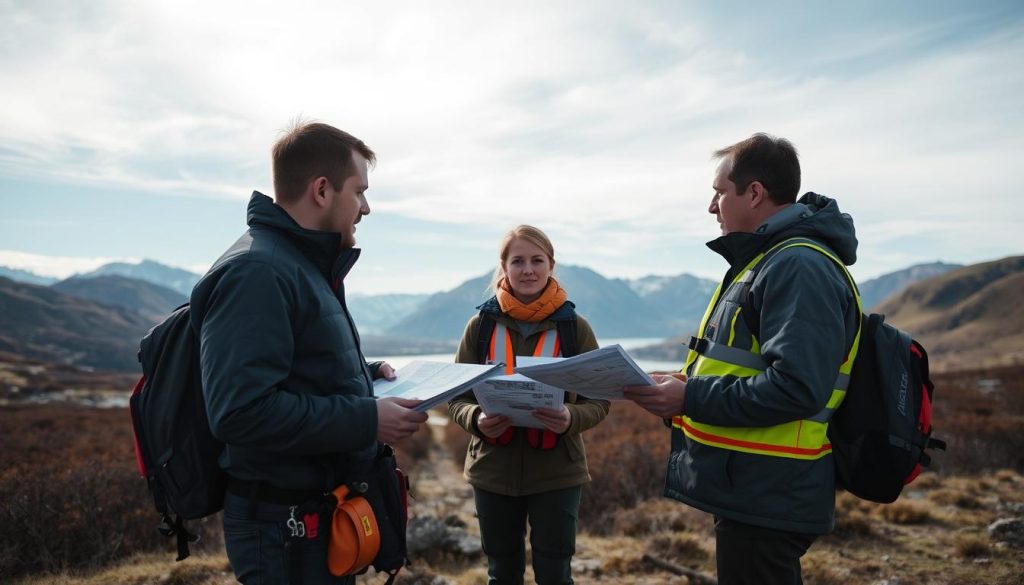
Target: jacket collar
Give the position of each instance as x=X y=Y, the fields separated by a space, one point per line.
x=323 y=248
x=813 y=216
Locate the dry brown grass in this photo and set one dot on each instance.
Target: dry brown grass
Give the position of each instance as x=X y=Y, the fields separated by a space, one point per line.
x=972 y=546
x=627 y=455
x=932 y=535
x=903 y=512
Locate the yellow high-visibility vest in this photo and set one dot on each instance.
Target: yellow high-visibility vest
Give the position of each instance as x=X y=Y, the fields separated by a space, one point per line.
x=798 y=439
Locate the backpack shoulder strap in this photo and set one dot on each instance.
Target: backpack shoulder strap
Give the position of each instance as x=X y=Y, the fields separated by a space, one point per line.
x=484 y=331
x=567 y=336
x=749 y=314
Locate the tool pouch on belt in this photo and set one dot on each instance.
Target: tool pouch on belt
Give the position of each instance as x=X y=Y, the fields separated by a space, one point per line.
x=369 y=519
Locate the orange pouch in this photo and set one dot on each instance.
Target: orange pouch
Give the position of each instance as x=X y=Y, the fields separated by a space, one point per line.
x=355 y=536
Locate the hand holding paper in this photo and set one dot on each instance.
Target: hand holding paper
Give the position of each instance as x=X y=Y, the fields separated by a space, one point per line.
x=665 y=398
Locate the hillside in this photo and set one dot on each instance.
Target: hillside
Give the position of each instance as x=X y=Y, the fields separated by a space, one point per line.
x=967 y=318
x=878 y=289
x=45 y=324
x=25 y=276
x=168 y=276
x=152 y=300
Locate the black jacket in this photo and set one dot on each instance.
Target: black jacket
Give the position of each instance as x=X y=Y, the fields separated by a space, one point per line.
x=805 y=320
x=286 y=385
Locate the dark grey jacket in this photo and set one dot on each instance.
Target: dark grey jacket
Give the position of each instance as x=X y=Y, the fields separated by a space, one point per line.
x=806 y=319
x=286 y=385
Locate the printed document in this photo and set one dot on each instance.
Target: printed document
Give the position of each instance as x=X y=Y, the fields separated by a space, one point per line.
x=516 y=397
x=433 y=382
x=599 y=374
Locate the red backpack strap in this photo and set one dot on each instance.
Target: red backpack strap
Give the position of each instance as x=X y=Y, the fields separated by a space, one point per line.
x=503 y=439
x=542 y=439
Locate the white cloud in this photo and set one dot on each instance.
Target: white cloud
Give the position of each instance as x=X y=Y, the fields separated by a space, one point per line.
x=594 y=119
x=55 y=266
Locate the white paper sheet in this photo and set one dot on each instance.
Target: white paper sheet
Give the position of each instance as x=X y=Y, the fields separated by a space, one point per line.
x=599 y=374
x=516 y=397
x=432 y=382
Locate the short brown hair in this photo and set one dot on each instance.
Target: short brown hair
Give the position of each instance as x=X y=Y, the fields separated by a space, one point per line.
x=531 y=234
x=768 y=159
x=310 y=150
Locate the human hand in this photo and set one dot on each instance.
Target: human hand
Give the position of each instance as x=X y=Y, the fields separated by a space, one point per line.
x=553 y=419
x=396 y=418
x=385 y=371
x=493 y=426
x=664 y=399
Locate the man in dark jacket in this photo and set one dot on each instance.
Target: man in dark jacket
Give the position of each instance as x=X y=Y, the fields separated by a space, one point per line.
x=767 y=368
x=286 y=385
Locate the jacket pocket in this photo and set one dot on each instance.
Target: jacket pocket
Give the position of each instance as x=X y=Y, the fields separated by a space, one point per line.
x=701 y=472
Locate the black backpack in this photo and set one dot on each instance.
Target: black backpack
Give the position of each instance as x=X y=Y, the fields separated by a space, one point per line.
x=882 y=429
x=174 y=448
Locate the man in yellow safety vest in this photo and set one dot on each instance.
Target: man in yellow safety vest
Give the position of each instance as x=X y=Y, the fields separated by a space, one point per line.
x=767 y=368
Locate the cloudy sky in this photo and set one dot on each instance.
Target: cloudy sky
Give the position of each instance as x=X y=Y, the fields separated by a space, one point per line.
x=138 y=129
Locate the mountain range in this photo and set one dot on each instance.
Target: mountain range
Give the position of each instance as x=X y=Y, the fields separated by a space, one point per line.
x=96 y=319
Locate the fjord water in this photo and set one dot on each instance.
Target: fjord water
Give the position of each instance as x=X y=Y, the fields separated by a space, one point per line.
x=627 y=343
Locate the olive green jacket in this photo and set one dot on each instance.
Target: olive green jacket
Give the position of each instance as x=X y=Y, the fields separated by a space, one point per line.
x=517 y=469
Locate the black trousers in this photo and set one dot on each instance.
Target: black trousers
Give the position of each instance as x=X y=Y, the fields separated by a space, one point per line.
x=751 y=555
x=552 y=516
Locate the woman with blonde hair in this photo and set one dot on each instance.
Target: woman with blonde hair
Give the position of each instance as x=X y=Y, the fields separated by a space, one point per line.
x=527 y=474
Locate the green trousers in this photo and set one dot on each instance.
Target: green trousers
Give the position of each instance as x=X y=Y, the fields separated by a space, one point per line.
x=552 y=517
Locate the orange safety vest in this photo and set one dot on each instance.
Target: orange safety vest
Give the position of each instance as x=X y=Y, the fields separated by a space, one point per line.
x=549 y=344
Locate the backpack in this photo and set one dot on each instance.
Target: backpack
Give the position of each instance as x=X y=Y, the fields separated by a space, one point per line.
x=881 y=430
x=174 y=448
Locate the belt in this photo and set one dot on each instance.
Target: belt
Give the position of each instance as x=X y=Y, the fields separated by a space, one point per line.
x=261 y=491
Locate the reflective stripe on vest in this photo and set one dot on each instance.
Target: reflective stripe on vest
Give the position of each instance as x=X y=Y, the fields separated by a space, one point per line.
x=548 y=345
x=798 y=439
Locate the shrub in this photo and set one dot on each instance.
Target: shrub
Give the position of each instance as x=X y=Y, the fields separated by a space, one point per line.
x=72 y=496
x=627 y=454
x=972 y=546
x=902 y=512
x=683 y=549
x=853 y=523
x=980 y=422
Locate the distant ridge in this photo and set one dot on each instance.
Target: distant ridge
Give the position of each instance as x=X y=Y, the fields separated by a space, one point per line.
x=878 y=289
x=967 y=318
x=41 y=323
x=167 y=276
x=152 y=300
x=612 y=306
x=19 y=275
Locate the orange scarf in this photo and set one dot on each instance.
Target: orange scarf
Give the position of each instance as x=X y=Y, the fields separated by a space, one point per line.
x=553 y=297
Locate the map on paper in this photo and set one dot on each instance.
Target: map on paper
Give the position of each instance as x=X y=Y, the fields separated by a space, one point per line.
x=432 y=382
x=516 y=397
x=599 y=374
